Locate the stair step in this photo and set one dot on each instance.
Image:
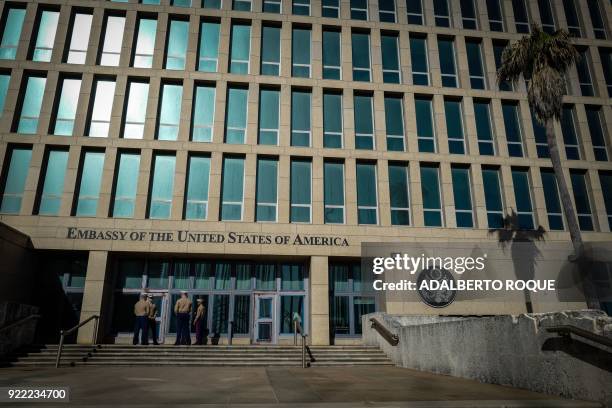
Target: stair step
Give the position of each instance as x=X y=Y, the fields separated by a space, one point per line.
x=209 y=355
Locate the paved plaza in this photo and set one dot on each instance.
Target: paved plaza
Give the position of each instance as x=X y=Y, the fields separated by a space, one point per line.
x=278 y=387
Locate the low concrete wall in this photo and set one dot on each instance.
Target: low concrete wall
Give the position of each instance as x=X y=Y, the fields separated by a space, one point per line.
x=508 y=350
x=18 y=336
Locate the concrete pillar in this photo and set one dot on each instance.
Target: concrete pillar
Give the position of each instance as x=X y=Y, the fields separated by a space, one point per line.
x=319 y=300
x=93 y=294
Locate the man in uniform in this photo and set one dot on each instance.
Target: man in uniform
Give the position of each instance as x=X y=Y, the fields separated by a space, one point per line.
x=152 y=315
x=141 y=311
x=198 y=322
x=182 y=308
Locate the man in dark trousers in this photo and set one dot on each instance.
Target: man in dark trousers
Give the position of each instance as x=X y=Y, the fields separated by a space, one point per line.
x=141 y=312
x=198 y=322
x=152 y=316
x=182 y=308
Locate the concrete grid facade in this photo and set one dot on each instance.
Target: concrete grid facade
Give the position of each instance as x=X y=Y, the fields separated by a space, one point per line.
x=50 y=232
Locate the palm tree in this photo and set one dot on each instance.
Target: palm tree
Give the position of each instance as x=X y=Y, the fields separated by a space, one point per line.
x=543 y=60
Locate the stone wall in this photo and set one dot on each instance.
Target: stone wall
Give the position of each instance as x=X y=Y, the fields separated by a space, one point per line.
x=508 y=350
x=17 y=336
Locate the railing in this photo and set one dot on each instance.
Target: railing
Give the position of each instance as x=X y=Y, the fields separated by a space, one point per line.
x=391 y=338
x=64 y=333
x=297 y=329
x=568 y=330
x=19 y=322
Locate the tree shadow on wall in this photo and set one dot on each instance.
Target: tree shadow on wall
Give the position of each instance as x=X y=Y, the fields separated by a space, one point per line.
x=523 y=250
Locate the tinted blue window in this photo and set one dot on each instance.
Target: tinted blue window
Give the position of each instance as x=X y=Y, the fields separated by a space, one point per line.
x=32 y=103
x=300 y=193
x=570 y=139
x=361 y=56
x=53 y=185
x=126 y=181
x=441 y=13
x=91 y=180
x=605 y=179
x=584 y=74
x=331 y=54
x=394 y=122
x=13 y=22
x=203 y=114
x=581 y=198
x=176 y=52
x=209 y=46
x=430 y=189
x=160 y=202
x=551 y=196
x=196 y=205
x=454 y=126
x=270 y=50
x=333 y=177
x=522 y=194
x=390 y=59
x=498 y=51
x=136 y=111
x=493 y=198
x=605 y=55
x=300 y=53
x=269 y=106
x=484 y=132
x=414 y=10
x=236 y=115
x=170 y=112
x=232 y=192
x=513 y=130
x=539 y=133
x=67 y=107
x=418 y=57
x=364 y=122
x=367 y=201
x=399 y=194
x=332 y=120
x=475 y=65
x=463 y=197
x=266 y=190
x=446 y=49
x=300 y=118
x=16 y=175
x=521 y=16
x=468 y=14
x=240 y=49
x=145 y=43
x=597 y=136
x=425 y=125
x=45 y=38
x=4 y=85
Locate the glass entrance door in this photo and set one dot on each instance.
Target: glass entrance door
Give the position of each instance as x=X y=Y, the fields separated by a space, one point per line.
x=264 y=322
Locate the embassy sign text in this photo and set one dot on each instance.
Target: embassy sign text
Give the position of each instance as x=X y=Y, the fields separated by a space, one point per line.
x=230 y=237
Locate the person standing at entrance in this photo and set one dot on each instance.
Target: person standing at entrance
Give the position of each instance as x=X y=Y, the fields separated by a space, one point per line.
x=182 y=308
x=152 y=323
x=199 y=322
x=141 y=312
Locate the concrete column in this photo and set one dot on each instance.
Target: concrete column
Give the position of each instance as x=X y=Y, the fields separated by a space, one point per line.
x=319 y=300
x=93 y=294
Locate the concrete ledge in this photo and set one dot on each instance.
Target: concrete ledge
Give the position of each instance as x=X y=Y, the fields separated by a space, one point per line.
x=507 y=350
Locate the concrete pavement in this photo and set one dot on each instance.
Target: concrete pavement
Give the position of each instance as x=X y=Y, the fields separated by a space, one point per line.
x=340 y=387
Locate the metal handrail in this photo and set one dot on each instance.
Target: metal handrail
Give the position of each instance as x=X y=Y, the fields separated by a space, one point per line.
x=385 y=333
x=298 y=330
x=567 y=330
x=19 y=322
x=64 y=333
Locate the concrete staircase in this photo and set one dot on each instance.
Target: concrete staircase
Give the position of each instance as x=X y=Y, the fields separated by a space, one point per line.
x=169 y=355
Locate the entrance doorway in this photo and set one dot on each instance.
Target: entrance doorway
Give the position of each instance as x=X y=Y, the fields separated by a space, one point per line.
x=264 y=321
x=161 y=302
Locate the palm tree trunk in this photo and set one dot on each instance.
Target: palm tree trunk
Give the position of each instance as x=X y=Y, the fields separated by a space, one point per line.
x=570 y=215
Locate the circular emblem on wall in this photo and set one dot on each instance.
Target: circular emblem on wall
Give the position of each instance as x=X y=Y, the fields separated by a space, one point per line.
x=437 y=297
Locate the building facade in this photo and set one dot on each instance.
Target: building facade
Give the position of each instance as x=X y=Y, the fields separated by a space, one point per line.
x=244 y=150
